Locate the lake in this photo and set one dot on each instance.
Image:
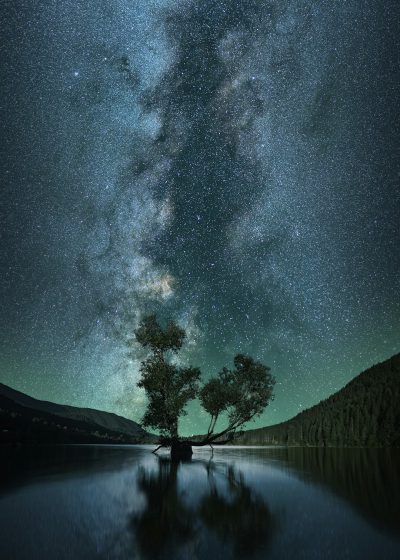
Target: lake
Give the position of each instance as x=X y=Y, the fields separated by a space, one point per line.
x=114 y=502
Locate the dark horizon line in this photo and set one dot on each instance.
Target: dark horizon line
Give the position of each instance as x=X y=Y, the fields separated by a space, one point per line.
x=198 y=435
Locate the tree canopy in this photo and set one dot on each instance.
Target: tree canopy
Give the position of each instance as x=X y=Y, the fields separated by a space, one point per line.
x=238 y=394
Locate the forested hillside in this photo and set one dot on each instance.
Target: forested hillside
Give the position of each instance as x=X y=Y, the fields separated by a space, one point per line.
x=366 y=412
x=19 y=424
x=24 y=419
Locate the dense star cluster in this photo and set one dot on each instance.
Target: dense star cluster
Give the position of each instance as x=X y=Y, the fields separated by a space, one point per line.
x=232 y=164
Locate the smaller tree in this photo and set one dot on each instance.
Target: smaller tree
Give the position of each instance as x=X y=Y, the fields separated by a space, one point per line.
x=239 y=394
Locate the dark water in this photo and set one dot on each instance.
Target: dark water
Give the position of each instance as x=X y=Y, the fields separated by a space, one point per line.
x=89 y=502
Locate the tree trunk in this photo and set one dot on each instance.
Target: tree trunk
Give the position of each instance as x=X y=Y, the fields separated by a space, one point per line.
x=180 y=450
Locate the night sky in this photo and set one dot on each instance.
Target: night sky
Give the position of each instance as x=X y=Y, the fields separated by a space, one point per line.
x=230 y=164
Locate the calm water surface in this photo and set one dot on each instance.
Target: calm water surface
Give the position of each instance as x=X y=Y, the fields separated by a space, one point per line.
x=90 y=502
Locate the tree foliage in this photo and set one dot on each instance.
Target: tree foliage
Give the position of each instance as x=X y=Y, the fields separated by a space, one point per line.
x=168 y=388
x=238 y=394
x=242 y=393
x=151 y=334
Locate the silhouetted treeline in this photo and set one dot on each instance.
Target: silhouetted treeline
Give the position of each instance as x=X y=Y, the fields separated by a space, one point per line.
x=19 y=424
x=365 y=413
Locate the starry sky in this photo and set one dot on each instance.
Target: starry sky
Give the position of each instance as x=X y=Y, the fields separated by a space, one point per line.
x=230 y=164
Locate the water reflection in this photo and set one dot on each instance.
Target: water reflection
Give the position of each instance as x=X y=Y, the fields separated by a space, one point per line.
x=228 y=512
x=24 y=465
x=166 y=521
x=98 y=502
x=369 y=479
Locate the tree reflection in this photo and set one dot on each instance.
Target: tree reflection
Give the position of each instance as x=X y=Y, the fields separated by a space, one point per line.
x=166 y=522
x=242 y=518
x=229 y=511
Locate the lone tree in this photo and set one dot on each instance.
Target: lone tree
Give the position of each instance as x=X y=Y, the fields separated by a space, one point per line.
x=239 y=394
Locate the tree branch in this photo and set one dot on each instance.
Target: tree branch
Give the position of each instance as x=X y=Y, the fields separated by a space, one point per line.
x=157 y=448
x=211 y=438
x=209 y=430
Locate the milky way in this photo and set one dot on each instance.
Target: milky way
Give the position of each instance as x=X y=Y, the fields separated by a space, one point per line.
x=229 y=164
